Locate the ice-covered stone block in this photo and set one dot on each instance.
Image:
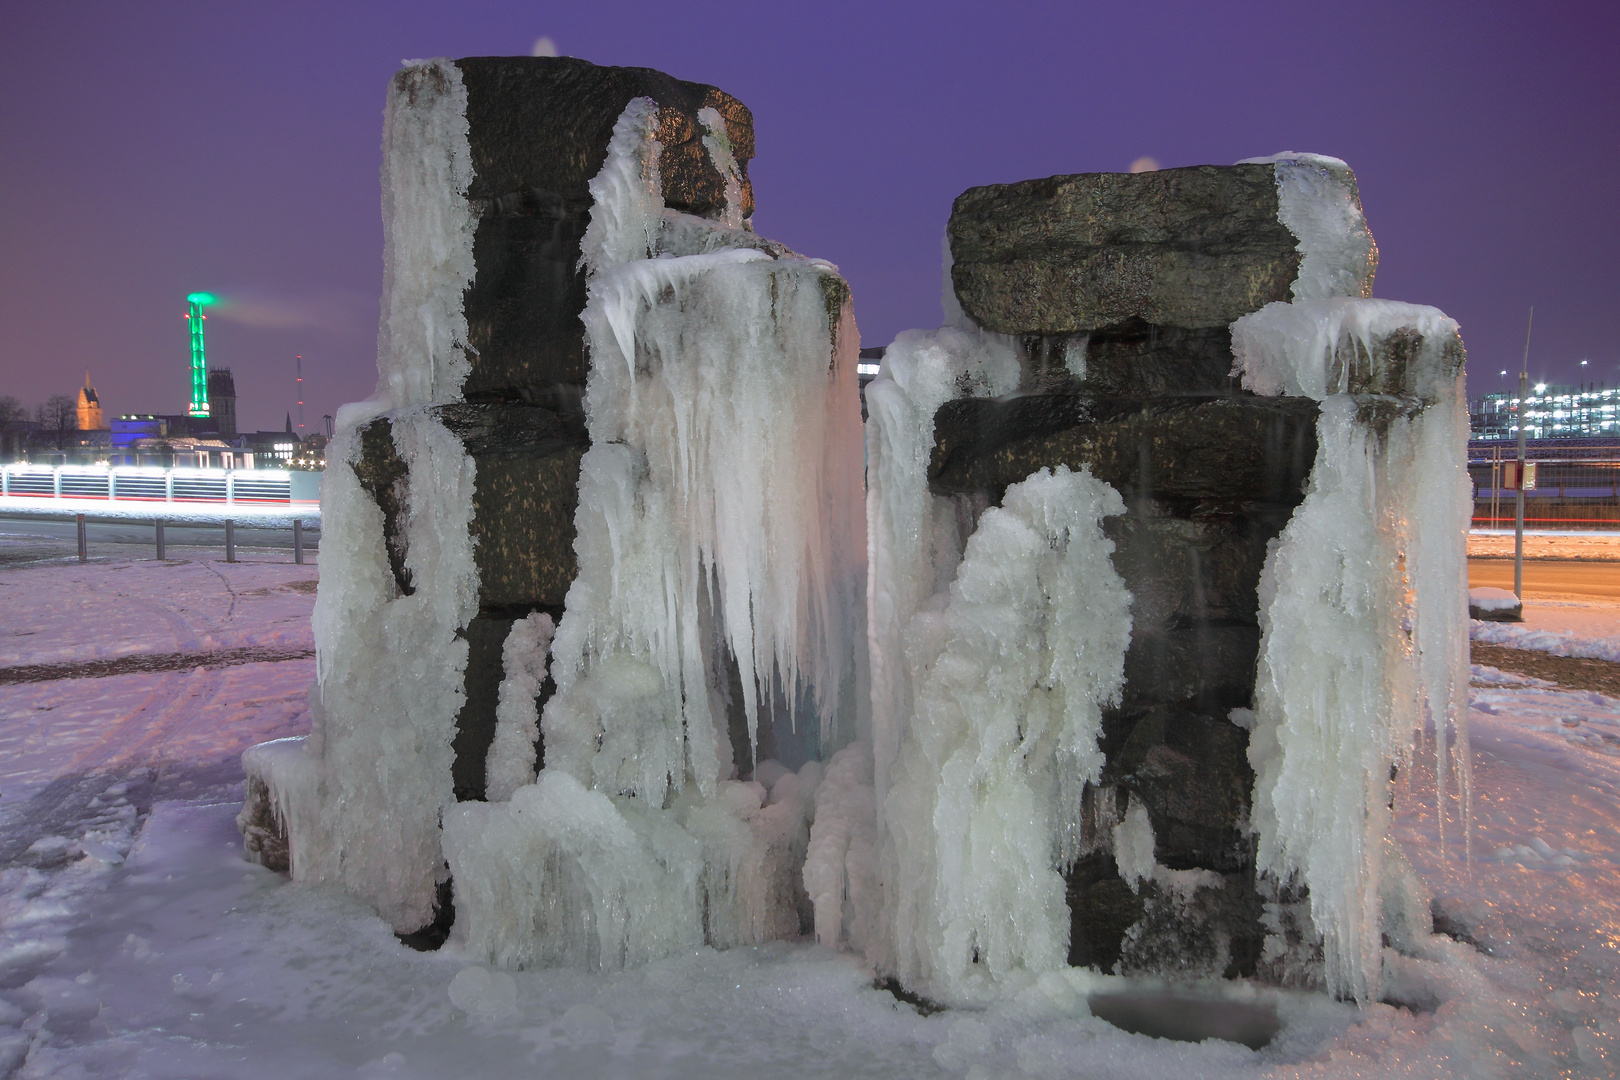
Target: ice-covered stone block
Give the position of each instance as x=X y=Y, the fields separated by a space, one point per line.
x=1193 y=247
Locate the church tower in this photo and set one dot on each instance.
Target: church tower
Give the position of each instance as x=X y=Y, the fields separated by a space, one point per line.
x=89 y=407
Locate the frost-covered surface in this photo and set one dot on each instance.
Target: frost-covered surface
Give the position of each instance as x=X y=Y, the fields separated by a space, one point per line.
x=1318 y=202
x=384 y=719
x=719 y=502
x=840 y=869
x=209 y=606
x=1011 y=671
x=1356 y=658
x=183 y=960
x=915 y=539
x=1586 y=546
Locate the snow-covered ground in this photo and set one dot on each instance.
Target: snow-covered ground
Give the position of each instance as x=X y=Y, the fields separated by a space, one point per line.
x=135 y=942
x=1589 y=628
x=1498 y=544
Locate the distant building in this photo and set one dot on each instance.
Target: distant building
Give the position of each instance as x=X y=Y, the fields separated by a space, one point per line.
x=89 y=407
x=1550 y=412
x=222 y=402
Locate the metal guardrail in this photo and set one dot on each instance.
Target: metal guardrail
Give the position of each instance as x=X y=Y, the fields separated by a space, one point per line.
x=301 y=542
x=146 y=484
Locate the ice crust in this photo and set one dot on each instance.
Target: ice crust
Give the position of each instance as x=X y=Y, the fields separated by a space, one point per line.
x=1317 y=200
x=721 y=552
x=1363 y=603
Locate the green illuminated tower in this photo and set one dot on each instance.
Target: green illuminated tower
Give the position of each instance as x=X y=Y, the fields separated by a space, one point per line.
x=199 y=367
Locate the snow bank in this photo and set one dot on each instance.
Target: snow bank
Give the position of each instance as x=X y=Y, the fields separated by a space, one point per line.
x=1520 y=636
x=1011 y=670
x=1356 y=656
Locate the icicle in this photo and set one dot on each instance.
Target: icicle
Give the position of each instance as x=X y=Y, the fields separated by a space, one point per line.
x=1348 y=670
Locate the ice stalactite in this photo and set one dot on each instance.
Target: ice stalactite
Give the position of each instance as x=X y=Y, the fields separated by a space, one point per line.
x=511 y=759
x=1010 y=671
x=1356 y=655
x=720 y=497
x=721 y=550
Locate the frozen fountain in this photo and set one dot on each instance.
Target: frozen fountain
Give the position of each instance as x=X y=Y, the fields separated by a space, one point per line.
x=1165 y=531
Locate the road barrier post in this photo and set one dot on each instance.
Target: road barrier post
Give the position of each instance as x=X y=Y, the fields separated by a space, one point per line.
x=230 y=540
x=161 y=556
x=298 y=541
x=84 y=552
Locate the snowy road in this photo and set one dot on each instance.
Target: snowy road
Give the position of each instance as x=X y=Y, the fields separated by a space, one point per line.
x=135 y=942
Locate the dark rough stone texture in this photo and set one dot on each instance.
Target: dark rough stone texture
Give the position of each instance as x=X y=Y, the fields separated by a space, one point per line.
x=1222 y=449
x=524 y=497
x=1209 y=479
x=379 y=468
x=1102 y=908
x=1193 y=247
x=1397 y=365
x=1191 y=771
x=525 y=491
x=1215 y=933
x=1137 y=359
x=264 y=839
x=538 y=128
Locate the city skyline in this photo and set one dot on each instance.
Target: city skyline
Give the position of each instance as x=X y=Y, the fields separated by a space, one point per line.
x=180 y=147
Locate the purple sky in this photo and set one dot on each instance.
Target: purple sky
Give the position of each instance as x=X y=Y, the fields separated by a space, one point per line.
x=149 y=150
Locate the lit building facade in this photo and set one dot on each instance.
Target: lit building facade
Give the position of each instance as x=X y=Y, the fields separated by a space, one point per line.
x=1550 y=412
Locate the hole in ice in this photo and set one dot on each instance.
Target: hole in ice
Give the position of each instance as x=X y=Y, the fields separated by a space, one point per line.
x=924 y=1006
x=1188 y=1019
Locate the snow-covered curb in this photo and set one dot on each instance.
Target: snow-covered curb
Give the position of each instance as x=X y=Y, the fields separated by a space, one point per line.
x=1519 y=636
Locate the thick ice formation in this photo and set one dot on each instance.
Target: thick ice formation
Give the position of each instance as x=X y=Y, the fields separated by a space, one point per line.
x=510 y=762
x=840 y=868
x=1009 y=673
x=915 y=539
x=1363 y=602
x=427 y=237
x=363 y=804
x=1318 y=202
x=383 y=719
x=721 y=553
